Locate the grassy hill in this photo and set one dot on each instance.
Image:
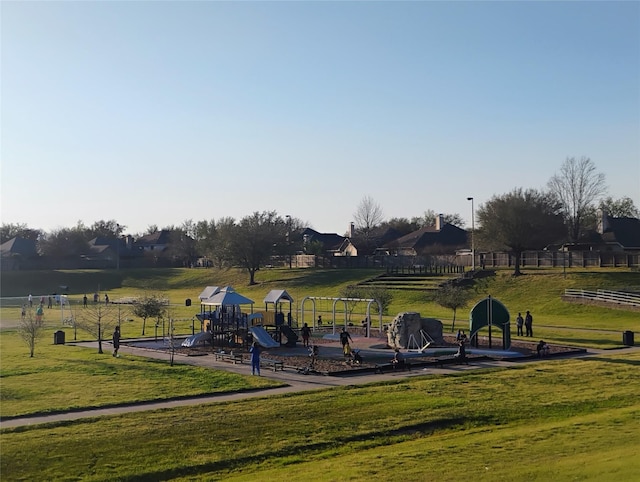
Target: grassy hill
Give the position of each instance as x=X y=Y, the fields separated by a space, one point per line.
x=538 y=290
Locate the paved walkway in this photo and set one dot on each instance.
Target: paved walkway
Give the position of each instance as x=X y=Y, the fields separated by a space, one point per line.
x=296 y=382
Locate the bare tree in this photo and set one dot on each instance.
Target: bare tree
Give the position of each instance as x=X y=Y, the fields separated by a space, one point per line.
x=30 y=329
x=97 y=319
x=452 y=297
x=619 y=208
x=429 y=219
x=577 y=186
x=352 y=293
x=383 y=296
x=368 y=214
x=10 y=231
x=368 y=217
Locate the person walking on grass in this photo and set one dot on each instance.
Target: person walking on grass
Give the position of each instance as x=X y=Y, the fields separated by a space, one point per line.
x=255 y=358
x=528 y=324
x=116 y=341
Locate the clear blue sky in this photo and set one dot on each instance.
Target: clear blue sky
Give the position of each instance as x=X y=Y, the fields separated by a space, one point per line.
x=153 y=113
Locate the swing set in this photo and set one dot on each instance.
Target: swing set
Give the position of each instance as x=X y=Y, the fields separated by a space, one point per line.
x=345 y=301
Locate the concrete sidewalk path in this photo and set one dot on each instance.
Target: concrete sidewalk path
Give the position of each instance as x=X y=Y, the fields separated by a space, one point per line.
x=295 y=382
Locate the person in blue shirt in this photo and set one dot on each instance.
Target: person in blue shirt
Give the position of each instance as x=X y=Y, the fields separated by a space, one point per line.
x=255 y=358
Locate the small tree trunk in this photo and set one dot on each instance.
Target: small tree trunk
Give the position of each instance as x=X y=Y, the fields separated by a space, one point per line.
x=517 y=255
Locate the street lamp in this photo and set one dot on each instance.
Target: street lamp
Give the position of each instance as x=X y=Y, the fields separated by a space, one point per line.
x=118 y=247
x=288 y=218
x=473 y=241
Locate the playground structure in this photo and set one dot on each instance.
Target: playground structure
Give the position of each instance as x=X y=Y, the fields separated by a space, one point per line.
x=490 y=312
x=407 y=328
x=345 y=302
x=221 y=316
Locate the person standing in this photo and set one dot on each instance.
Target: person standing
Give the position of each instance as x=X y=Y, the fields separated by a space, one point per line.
x=106 y=299
x=39 y=313
x=345 y=338
x=520 y=324
x=306 y=334
x=116 y=341
x=528 y=324
x=49 y=302
x=30 y=301
x=84 y=300
x=255 y=358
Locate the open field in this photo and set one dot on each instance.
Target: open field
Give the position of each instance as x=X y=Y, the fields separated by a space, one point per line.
x=573 y=419
x=558 y=420
x=539 y=290
x=68 y=377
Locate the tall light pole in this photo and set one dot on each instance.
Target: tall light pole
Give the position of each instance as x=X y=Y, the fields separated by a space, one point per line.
x=118 y=247
x=288 y=218
x=473 y=235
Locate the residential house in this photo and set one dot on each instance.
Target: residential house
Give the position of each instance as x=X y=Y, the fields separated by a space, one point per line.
x=154 y=243
x=333 y=244
x=618 y=234
x=18 y=253
x=443 y=238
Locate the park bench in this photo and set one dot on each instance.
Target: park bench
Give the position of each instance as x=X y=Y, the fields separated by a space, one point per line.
x=230 y=357
x=441 y=362
x=274 y=364
x=382 y=367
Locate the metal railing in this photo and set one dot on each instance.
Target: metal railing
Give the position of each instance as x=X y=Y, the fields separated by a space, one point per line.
x=619 y=297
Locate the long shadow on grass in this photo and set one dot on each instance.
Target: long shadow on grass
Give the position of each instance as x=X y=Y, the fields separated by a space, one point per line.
x=621 y=361
x=585 y=341
x=371 y=439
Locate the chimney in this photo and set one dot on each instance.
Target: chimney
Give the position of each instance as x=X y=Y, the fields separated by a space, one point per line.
x=603 y=221
x=439 y=222
x=352 y=228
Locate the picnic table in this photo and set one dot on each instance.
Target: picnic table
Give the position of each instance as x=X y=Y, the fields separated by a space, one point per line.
x=230 y=357
x=274 y=364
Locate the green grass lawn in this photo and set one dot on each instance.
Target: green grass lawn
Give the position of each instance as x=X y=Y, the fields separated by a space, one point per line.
x=557 y=420
x=66 y=377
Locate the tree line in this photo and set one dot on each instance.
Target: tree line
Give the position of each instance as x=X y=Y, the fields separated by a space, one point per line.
x=519 y=220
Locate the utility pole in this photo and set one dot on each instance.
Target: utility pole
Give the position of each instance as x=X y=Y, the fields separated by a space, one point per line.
x=288 y=218
x=473 y=235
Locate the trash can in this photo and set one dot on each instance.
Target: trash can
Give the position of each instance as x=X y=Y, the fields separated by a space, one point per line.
x=627 y=338
x=58 y=337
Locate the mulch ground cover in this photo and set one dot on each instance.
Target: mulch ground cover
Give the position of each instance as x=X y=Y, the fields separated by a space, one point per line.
x=331 y=361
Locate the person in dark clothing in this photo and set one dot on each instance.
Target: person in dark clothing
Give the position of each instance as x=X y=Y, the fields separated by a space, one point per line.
x=345 y=338
x=542 y=348
x=255 y=358
x=528 y=324
x=306 y=334
x=398 y=362
x=520 y=324
x=462 y=351
x=116 y=341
